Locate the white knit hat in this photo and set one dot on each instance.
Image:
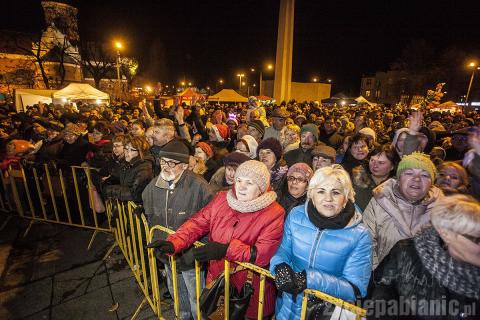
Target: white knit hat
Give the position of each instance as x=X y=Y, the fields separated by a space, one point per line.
x=369 y=132
x=256 y=171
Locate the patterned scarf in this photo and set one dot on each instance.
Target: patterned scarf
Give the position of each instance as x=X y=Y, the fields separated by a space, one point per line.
x=459 y=277
x=254 y=205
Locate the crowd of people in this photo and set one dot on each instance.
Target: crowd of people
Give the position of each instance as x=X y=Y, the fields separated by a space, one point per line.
x=369 y=204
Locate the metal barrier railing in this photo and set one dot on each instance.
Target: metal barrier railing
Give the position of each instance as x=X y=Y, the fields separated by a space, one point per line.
x=132 y=233
x=40 y=196
x=130 y=239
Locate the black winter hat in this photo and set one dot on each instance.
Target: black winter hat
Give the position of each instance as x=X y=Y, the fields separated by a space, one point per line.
x=176 y=150
x=272 y=144
x=235 y=159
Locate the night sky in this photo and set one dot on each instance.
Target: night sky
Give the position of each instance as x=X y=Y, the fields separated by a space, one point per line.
x=203 y=41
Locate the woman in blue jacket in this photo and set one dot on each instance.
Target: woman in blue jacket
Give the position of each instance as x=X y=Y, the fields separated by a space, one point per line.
x=324 y=247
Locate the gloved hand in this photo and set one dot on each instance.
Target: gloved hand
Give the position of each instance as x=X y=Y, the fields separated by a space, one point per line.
x=285 y=278
x=300 y=280
x=162 y=246
x=210 y=251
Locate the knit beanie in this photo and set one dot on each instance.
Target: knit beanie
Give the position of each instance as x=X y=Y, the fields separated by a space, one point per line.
x=325 y=152
x=257 y=124
x=369 y=132
x=310 y=127
x=272 y=144
x=252 y=145
x=206 y=148
x=176 y=150
x=235 y=159
x=256 y=171
x=417 y=160
x=302 y=168
x=221 y=131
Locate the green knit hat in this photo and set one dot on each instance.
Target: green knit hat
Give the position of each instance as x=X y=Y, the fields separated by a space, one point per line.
x=417 y=160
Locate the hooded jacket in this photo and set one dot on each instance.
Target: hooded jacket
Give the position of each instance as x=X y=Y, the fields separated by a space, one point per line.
x=333 y=259
x=390 y=217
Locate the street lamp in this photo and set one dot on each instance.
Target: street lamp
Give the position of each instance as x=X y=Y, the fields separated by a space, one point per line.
x=240 y=76
x=471 y=65
x=315 y=79
x=260 y=89
x=119 y=46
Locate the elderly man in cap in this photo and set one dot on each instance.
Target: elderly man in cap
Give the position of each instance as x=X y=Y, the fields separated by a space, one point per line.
x=169 y=200
x=277 y=130
x=308 y=139
x=256 y=129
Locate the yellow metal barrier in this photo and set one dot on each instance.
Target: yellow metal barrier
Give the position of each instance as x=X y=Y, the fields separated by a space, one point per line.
x=154 y=299
x=35 y=194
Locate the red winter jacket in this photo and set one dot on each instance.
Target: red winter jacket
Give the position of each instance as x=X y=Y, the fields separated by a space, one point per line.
x=262 y=228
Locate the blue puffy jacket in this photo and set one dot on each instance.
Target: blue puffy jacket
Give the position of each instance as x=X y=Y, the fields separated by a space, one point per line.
x=333 y=259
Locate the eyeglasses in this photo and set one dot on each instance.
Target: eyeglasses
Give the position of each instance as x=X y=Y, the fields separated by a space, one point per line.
x=296 y=180
x=475 y=240
x=170 y=163
x=129 y=149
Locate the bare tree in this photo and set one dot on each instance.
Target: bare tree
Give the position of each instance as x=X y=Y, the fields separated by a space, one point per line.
x=96 y=60
x=33 y=46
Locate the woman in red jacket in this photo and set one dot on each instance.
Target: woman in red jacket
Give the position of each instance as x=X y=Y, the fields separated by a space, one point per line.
x=243 y=224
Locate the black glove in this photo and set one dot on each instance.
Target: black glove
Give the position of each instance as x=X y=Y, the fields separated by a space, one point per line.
x=210 y=251
x=285 y=278
x=300 y=280
x=162 y=246
x=289 y=281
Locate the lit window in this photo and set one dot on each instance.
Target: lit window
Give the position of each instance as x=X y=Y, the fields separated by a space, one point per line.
x=367 y=93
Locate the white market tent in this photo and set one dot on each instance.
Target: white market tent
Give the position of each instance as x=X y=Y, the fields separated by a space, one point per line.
x=80 y=91
x=29 y=97
x=227 y=95
x=361 y=99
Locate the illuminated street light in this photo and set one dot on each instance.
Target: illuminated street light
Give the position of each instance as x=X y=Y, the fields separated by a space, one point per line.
x=189 y=84
x=148 y=89
x=182 y=83
x=329 y=80
x=315 y=79
x=253 y=69
x=269 y=68
x=240 y=76
x=119 y=46
x=471 y=65
x=243 y=83
x=208 y=88
x=220 y=81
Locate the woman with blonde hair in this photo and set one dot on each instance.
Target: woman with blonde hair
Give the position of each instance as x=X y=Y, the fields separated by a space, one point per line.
x=324 y=245
x=292 y=138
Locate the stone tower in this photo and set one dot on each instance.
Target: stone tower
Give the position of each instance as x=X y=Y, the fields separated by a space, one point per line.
x=64 y=17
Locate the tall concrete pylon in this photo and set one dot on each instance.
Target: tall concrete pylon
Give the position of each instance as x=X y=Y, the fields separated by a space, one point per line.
x=283 y=61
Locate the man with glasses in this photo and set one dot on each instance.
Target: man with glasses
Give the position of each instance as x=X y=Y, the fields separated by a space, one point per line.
x=169 y=200
x=162 y=132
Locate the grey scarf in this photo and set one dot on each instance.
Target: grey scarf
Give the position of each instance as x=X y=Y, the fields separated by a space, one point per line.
x=459 y=277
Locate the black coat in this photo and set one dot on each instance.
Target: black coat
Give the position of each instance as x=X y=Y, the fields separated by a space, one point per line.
x=73 y=154
x=134 y=177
